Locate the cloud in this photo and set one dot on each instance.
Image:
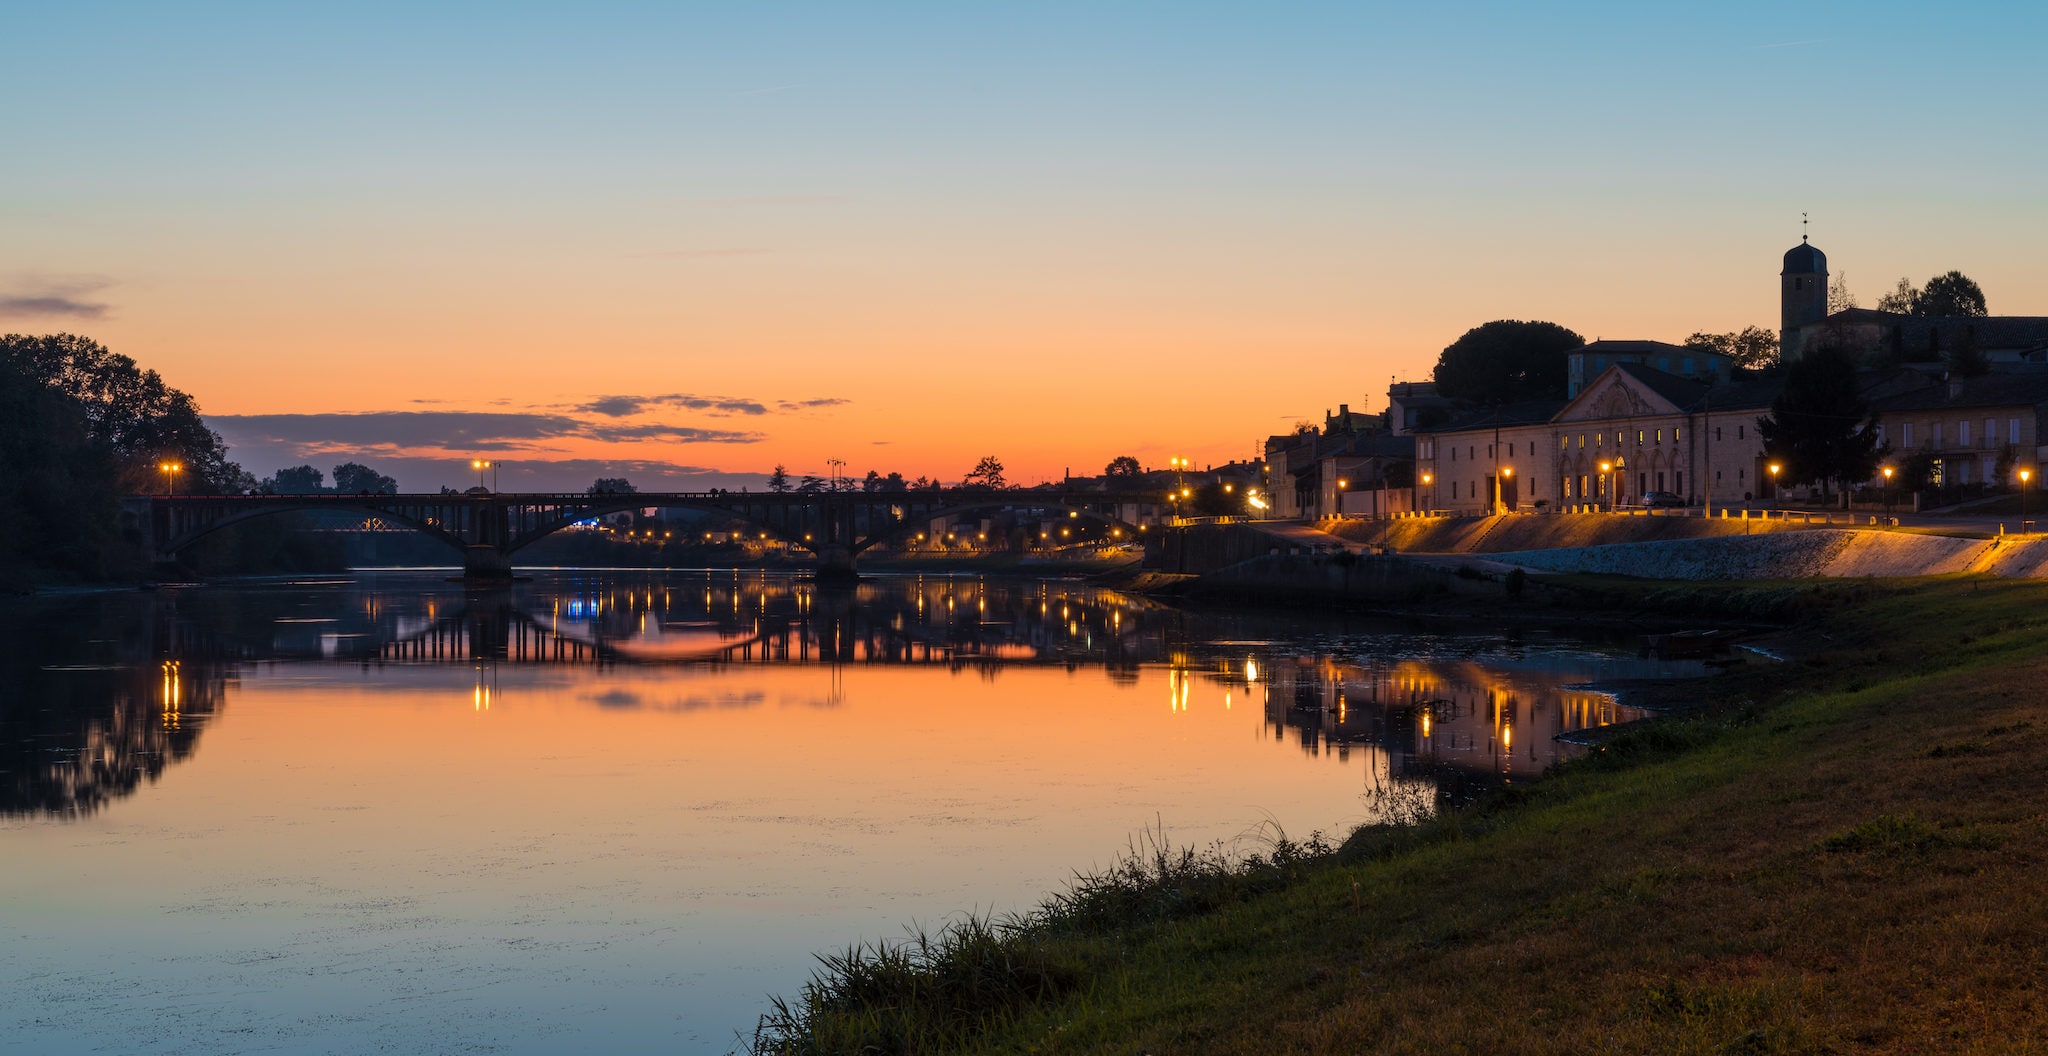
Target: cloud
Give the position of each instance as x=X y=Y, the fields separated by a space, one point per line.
x=626 y=406
x=403 y=432
x=805 y=405
x=615 y=406
x=40 y=295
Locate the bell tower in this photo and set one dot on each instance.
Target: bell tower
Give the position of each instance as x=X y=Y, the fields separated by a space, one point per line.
x=1802 y=296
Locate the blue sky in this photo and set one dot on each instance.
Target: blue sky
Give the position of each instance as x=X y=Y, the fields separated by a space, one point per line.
x=492 y=205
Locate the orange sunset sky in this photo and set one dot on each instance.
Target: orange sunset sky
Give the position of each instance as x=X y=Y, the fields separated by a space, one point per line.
x=684 y=244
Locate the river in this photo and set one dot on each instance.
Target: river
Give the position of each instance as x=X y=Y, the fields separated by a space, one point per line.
x=618 y=809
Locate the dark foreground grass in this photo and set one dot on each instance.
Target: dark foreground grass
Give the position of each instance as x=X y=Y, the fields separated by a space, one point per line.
x=1844 y=853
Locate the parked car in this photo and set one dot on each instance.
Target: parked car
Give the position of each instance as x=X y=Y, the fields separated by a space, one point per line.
x=1663 y=498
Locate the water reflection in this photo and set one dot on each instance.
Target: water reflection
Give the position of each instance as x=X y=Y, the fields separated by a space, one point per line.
x=109 y=690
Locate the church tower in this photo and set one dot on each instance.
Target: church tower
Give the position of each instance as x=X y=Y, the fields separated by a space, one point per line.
x=1803 y=296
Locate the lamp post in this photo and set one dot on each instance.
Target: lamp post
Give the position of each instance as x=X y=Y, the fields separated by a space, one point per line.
x=1887 y=490
x=1428 y=481
x=170 y=470
x=481 y=464
x=1606 y=485
x=1774 y=468
x=2025 y=475
x=1342 y=483
x=1507 y=473
x=837 y=464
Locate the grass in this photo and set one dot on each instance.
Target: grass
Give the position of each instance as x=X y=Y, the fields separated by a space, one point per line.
x=1838 y=854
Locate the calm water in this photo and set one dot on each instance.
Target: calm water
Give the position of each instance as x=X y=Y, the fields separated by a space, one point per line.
x=382 y=813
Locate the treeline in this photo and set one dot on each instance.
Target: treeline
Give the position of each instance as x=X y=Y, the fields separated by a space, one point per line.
x=79 y=427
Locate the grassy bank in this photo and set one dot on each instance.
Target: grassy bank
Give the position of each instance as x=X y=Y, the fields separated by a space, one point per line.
x=1839 y=854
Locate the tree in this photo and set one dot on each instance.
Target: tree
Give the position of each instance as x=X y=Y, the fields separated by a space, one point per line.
x=297 y=480
x=1122 y=466
x=1507 y=360
x=987 y=473
x=611 y=486
x=141 y=421
x=813 y=485
x=1950 y=293
x=871 y=482
x=1839 y=297
x=1752 y=347
x=1820 y=425
x=778 y=481
x=354 y=478
x=58 y=493
x=1900 y=300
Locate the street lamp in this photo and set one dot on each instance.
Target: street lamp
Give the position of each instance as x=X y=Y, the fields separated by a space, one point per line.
x=1887 y=490
x=1507 y=473
x=1341 y=485
x=2025 y=475
x=170 y=470
x=481 y=464
x=1605 y=469
x=1429 y=481
x=1774 y=468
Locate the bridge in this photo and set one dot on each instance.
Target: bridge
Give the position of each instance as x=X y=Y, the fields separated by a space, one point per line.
x=489 y=529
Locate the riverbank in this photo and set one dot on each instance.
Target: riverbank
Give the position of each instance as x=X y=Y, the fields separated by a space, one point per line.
x=1834 y=854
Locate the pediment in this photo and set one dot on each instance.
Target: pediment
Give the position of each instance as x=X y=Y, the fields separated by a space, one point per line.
x=1615 y=394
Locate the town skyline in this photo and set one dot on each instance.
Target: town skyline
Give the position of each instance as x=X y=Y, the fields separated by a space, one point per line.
x=686 y=248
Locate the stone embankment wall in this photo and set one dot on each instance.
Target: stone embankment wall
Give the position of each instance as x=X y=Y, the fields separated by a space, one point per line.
x=1821 y=552
x=1516 y=532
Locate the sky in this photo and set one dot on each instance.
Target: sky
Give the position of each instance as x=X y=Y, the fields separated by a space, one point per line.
x=687 y=242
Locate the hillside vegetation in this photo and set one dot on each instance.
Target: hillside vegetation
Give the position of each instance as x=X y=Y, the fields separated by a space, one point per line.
x=1841 y=853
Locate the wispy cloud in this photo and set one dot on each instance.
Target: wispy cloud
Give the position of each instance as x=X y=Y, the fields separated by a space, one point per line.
x=809 y=405
x=397 y=431
x=718 y=406
x=58 y=295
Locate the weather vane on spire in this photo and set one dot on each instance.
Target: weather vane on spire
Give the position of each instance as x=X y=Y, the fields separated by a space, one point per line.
x=1802 y=227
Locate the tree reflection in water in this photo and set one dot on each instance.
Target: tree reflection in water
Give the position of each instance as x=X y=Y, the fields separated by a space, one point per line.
x=107 y=690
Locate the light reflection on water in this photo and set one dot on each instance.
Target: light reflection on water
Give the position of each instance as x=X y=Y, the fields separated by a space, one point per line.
x=623 y=807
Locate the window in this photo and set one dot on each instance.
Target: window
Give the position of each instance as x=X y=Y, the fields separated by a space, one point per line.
x=2012 y=430
x=1688 y=364
x=1990 y=436
x=1963 y=433
x=1471 y=452
x=1934 y=432
x=1738 y=432
x=1717 y=434
x=1906 y=434
x=1582 y=441
x=1664 y=363
x=1880 y=434
x=1639 y=438
x=1660 y=438
x=1597 y=437
x=1678 y=482
x=1674 y=434
x=1564 y=443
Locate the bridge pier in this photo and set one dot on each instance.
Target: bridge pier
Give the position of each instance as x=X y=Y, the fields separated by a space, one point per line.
x=835 y=564
x=484 y=562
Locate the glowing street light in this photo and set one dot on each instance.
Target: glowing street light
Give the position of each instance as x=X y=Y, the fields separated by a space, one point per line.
x=1774 y=468
x=481 y=464
x=1606 y=491
x=170 y=470
x=1887 y=489
x=2025 y=475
